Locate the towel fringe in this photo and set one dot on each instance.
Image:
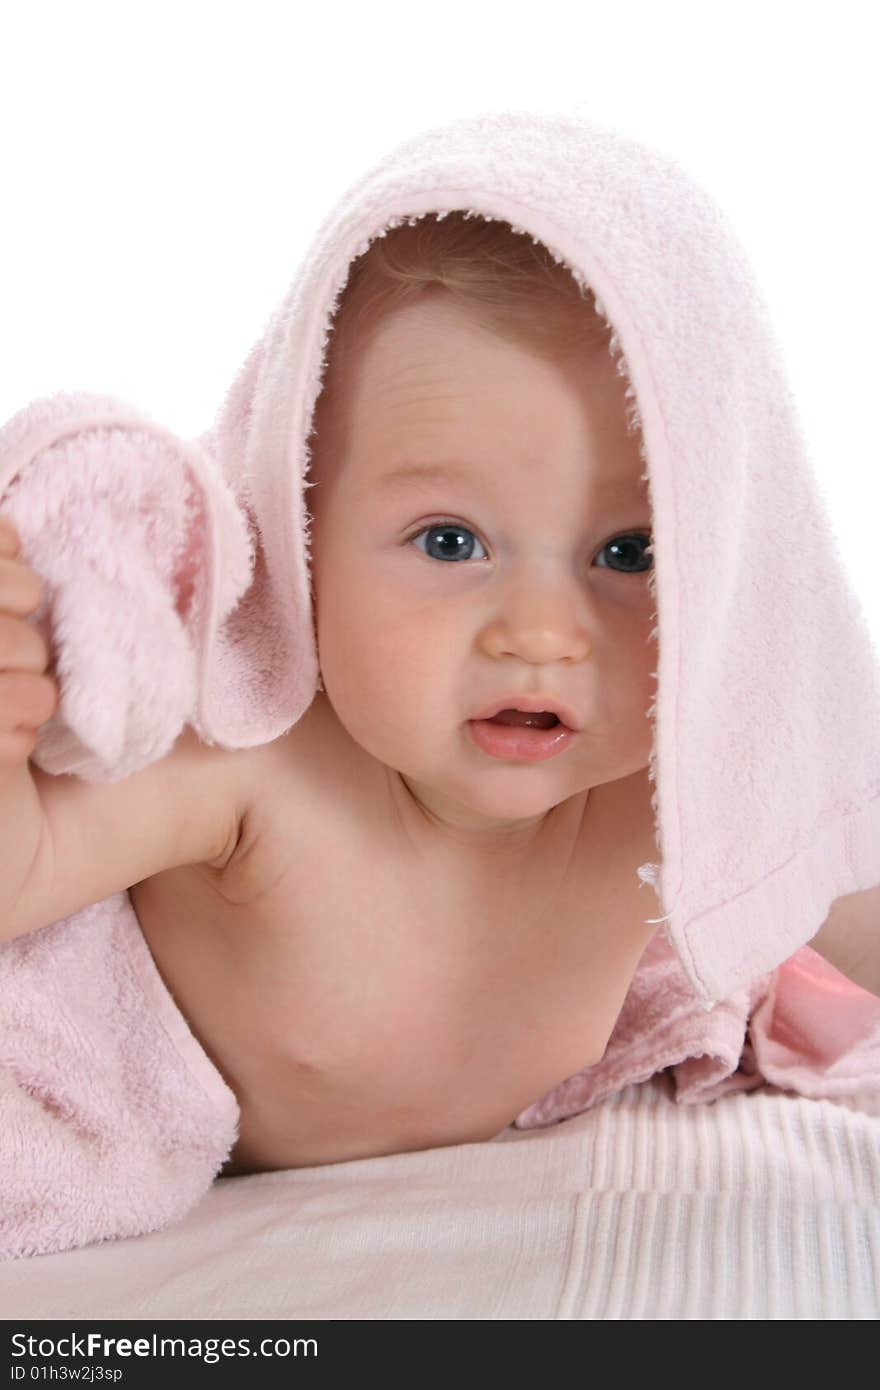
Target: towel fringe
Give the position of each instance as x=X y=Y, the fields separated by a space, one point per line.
x=650 y=873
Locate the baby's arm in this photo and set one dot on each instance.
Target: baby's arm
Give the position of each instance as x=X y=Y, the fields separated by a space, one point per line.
x=849 y=938
x=86 y=840
x=64 y=842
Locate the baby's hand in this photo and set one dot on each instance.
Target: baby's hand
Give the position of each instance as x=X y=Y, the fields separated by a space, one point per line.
x=28 y=696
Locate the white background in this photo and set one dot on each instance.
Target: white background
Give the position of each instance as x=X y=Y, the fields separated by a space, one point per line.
x=164 y=167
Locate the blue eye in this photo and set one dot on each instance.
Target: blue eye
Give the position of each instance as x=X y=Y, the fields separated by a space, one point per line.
x=452 y=540
x=627 y=550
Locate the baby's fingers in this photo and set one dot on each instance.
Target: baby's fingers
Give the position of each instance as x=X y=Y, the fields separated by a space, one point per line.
x=10 y=541
x=21 y=588
x=23 y=646
x=27 y=700
x=16 y=746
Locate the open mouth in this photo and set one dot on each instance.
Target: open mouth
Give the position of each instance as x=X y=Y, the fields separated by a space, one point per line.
x=525 y=719
x=521 y=736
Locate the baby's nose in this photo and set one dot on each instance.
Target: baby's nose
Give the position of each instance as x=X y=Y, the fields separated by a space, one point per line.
x=539 y=622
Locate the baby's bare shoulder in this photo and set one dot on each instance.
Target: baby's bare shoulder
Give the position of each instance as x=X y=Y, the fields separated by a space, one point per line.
x=304 y=792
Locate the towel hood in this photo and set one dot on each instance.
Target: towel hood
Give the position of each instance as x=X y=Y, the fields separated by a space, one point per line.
x=765 y=767
x=765 y=760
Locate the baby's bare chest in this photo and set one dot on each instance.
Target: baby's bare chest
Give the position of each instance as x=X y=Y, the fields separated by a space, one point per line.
x=358 y=1002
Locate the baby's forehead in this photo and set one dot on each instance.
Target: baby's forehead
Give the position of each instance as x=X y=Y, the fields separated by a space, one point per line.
x=489 y=383
x=410 y=398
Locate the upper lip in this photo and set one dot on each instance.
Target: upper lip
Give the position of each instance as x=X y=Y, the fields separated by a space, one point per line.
x=530 y=704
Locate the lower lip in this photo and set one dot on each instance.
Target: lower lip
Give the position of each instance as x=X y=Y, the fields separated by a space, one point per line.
x=517 y=743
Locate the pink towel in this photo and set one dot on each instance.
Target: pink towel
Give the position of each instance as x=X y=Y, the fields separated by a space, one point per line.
x=178 y=592
x=145 y=555
x=804 y=1028
x=113 y=1121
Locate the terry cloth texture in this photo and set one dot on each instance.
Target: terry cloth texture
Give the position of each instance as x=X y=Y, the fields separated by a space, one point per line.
x=177 y=592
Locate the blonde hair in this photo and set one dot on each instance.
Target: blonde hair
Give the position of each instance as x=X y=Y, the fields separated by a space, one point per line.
x=508 y=283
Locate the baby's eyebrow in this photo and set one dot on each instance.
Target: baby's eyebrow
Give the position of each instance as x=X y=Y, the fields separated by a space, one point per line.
x=423 y=474
x=418 y=474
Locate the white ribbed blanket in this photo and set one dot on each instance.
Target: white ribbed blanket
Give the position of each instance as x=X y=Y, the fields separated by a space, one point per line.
x=764 y=1205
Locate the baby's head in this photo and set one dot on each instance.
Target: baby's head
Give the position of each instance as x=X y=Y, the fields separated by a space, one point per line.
x=473 y=469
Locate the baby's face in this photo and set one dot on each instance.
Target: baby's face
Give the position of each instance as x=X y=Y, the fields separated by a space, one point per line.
x=493 y=573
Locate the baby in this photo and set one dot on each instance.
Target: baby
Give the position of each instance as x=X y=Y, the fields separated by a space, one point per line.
x=413 y=914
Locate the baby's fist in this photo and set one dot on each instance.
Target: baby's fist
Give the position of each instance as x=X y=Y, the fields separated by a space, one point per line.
x=28 y=696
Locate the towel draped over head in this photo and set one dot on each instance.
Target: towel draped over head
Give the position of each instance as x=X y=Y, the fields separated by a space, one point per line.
x=765 y=767
x=177 y=592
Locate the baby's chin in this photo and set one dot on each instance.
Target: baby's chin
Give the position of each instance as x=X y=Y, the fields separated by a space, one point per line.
x=465 y=813
x=462 y=789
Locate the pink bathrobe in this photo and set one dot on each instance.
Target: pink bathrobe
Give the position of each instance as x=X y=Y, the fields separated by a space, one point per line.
x=177 y=593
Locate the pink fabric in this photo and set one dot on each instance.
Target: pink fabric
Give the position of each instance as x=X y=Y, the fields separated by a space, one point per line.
x=113 y=1120
x=766 y=757
x=178 y=592
x=804 y=1028
x=145 y=555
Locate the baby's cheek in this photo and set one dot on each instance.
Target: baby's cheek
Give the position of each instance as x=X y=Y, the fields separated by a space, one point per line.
x=361 y=664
